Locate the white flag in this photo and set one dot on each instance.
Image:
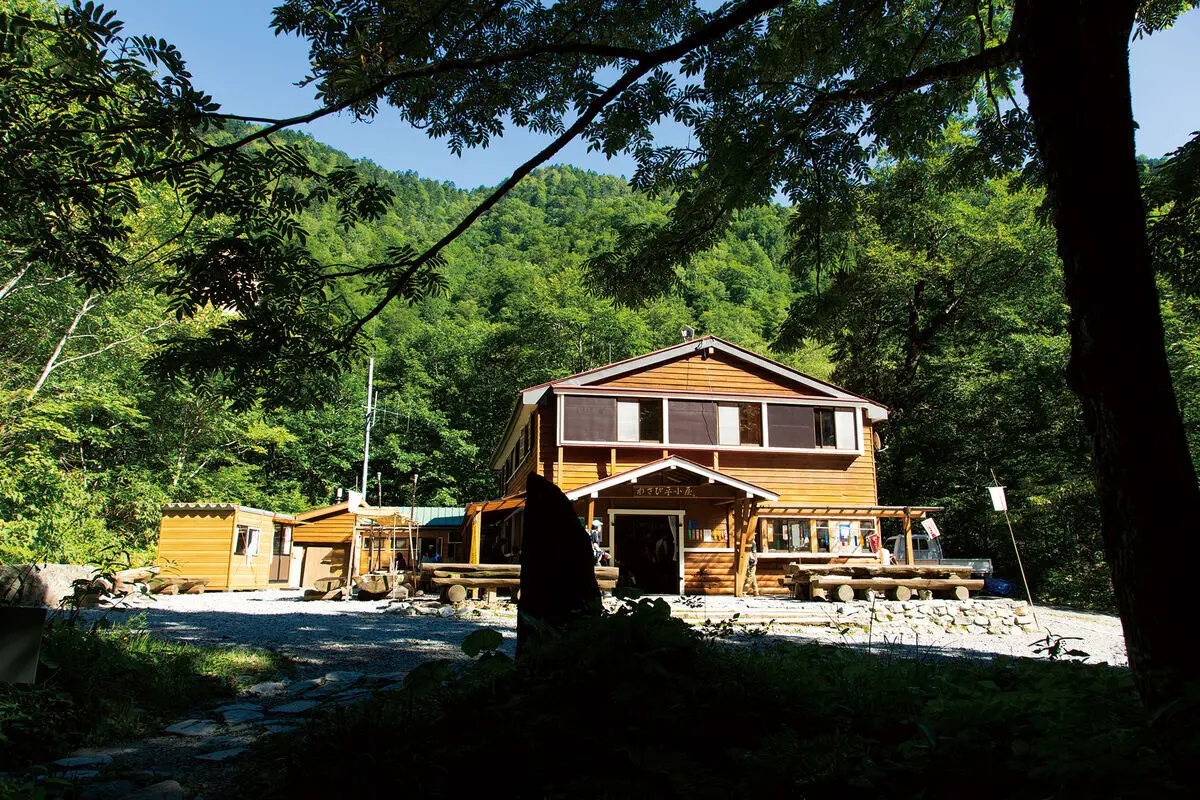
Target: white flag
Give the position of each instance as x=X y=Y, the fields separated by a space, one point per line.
x=999 y=501
x=931 y=527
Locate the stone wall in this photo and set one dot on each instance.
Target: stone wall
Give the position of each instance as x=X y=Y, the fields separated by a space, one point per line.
x=989 y=616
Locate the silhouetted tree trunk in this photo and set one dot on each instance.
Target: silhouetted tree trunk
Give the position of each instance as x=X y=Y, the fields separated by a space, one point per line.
x=1075 y=59
x=558 y=576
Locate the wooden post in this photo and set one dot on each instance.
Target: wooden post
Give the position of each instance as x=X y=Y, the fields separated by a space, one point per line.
x=613 y=464
x=591 y=512
x=738 y=539
x=908 y=547
x=812 y=536
x=559 y=471
x=716 y=461
x=476 y=533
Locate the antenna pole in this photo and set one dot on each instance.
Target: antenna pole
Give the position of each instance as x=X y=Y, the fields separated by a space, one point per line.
x=370 y=418
x=411 y=521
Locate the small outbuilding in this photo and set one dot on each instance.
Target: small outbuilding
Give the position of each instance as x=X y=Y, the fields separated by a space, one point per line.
x=226 y=545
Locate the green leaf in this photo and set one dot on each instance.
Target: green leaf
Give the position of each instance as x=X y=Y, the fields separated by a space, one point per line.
x=482 y=640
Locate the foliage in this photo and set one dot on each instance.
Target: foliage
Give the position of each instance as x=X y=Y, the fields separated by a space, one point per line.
x=637 y=704
x=100 y=680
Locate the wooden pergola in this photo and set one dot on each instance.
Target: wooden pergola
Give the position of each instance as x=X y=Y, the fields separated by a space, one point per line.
x=474 y=518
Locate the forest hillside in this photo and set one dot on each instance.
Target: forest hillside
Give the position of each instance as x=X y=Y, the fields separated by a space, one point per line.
x=944 y=305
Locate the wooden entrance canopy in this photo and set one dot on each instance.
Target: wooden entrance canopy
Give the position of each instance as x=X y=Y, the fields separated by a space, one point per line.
x=890 y=512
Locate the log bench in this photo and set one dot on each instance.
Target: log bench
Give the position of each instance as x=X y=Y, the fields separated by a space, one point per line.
x=454 y=580
x=897 y=582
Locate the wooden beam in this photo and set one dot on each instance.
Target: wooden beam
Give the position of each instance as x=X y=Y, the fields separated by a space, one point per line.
x=908 y=547
x=716 y=461
x=476 y=534
x=613 y=462
x=738 y=538
x=558 y=472
x=591 y=513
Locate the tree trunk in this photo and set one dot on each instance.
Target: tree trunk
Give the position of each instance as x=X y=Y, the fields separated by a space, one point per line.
x=1075 y=59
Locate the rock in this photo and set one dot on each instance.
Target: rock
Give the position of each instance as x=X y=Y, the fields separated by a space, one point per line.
x=267 y=689
x=41 y=584
x=193 y=727
x=399 y=592
x=272 y=728
x=979 y=619
x=403 y=612
x=240 y=716
x=303 y=686
x=107 y=790
x=345 y=678
x=222 y=755
x=163 y=790
x=81 y=774
x=445 y=611
x=295 y=707
x=92 y=760
x=389 y=677
x=238 y=707
x=976 y=629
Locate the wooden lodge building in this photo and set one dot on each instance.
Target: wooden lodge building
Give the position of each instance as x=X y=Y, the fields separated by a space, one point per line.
x=685 y=453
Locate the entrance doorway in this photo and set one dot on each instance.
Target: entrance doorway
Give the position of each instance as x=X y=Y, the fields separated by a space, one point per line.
x=646 y=550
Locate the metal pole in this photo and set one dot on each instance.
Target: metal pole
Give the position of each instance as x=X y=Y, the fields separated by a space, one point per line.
x=379 y=489
x=367 y=434
x=1017 y=550
x=412 y=514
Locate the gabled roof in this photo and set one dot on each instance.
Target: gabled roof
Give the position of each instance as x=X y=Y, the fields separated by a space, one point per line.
x=529 y=397
x=682 y=350
x=672 y=462
x=220 y=507
x=438 y=515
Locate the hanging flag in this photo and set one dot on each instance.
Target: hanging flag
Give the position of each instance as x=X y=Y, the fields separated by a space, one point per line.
x=999 y=501
x=931 y=527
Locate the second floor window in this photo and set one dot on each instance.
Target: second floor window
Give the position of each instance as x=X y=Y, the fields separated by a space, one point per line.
x=639 y=421
x=740 y=424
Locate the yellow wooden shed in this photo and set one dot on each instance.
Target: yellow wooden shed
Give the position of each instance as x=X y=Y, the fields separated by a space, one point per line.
x=230 y=545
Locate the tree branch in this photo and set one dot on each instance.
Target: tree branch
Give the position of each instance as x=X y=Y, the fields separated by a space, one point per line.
x=707 y=34
x=423 y=71
x=111 y=345
x=7 y=288
x=83 y=310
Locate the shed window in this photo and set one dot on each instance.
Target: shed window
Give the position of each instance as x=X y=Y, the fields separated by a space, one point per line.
x=740 y=424
x=247 y=541
x=282 y=545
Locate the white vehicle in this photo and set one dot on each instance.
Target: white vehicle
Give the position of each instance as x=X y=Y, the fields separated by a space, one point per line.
x=927 y=550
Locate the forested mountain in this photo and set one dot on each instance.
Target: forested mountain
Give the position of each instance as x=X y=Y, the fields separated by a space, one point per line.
x=944 y=304
x=95 y=441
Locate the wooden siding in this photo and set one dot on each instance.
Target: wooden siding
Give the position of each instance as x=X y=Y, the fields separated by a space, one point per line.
x=717 y=373
x=255 y=572
x=836 y=479
x=334 y=527
x=197 y=543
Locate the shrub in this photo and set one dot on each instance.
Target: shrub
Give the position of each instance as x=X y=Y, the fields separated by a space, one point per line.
x=638 y=704
x=100 y=681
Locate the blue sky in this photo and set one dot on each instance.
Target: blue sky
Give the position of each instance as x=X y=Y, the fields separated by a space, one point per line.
x=235 y=57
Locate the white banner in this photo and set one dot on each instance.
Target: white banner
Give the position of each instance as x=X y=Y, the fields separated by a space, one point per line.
x=999 y=501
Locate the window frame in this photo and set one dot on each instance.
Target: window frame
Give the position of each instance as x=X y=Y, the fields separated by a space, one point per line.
x=830 y=406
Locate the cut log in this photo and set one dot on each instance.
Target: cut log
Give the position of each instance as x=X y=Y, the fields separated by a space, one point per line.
x=901 y=592
x=818 y=593
x=962 y=593
x=136 y=575
x=883 y=584
x=456 y=594
x=328 y=584
x=844 y=593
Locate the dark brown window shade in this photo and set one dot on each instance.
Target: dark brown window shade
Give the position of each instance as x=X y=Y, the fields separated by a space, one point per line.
x=692 y=421
x=650 y=420
x=790 y=426
x=589 y=419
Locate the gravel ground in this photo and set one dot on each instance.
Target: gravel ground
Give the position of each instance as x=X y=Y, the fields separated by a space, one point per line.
x=320 y=636
x=332 y=635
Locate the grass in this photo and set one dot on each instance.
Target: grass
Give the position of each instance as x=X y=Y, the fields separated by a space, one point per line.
x=640 y=705
x=102 y=681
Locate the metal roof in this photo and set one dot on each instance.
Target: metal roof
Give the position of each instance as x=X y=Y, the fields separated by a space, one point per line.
x=437 y=515
x=220 y=507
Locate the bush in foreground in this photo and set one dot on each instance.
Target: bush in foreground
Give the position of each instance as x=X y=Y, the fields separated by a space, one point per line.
x=640 y=705
x=101 y=681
